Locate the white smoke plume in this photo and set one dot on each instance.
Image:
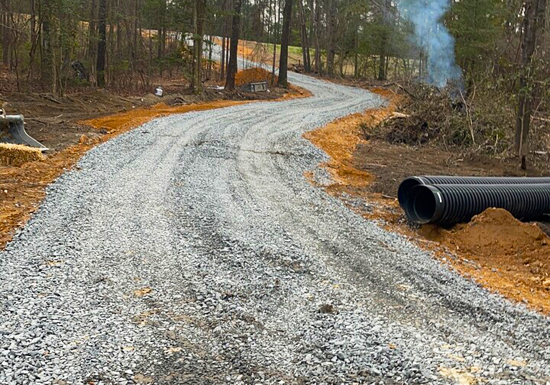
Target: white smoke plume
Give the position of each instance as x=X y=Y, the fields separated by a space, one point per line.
x=434 y=39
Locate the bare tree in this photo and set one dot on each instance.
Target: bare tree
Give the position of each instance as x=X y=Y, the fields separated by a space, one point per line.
x=385 y=24
x=223 y=63
x=6 y=31
x=533 y=24
x=285 y=40
x=34 y=39
x=304 y=38
x=331 y=31
x=101 y=43
x=199 y=14
x=277 y=19
x=92 y=39
x=47 y=66
x=317 y=16
x=235 y=28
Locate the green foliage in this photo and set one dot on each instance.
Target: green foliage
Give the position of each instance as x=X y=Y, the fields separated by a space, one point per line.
x=476 y=26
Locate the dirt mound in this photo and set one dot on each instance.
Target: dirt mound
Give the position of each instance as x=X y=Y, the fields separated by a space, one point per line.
x=253 y=75
x=495 y=232
x=501 y=253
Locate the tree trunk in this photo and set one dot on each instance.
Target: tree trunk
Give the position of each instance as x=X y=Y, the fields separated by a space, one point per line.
x=227 y=49
x=225 y=41
x=200 y=6
x=34 y=40
x=285 y=40
x=194 y=81
x=6 y=32
x=304 y=39
x=210 y=44
x=101 y=43
x=92 y=40
x=277 y=20
x=533 y=22
x=135 y=34
x=385 y=25
x=47 y=65
x=235 y=29
x=382 y=62
x=342 y=60
x=270 y=30
x=110 y=42
x=222 y=69
x=163 y=39
x=331 y=31
x=159 y=46
x=228 y=30
x=318 y=64
x=356 y=53
x=161 y=31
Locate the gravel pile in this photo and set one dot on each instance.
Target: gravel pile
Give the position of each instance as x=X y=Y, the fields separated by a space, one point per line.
x=193 y=250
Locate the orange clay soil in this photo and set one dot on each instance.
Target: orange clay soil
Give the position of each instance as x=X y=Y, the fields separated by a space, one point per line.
x=510 y=256
x=126 y=120
x=340 y=138
x=242 y=49
x=494 y=249
x=250 y=75
x=23 y=188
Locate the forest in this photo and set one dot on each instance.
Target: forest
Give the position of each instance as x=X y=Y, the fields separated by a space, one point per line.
x=490 y=55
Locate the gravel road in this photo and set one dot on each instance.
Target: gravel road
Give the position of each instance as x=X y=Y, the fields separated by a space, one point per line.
x=193 y=250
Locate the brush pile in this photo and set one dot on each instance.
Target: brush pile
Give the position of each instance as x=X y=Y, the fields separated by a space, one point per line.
x=429 y=116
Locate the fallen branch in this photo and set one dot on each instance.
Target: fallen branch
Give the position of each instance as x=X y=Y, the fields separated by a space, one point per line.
x=541 y=119
x=470 y=122
x=48 y=120
x=398 y=115
x=50 y=98
x=400 y=87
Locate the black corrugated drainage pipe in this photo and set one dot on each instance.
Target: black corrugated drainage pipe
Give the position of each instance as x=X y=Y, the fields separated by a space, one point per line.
x=453 y=203
x=406 y=186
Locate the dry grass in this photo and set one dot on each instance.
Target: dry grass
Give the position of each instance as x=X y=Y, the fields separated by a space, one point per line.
x=17 y=155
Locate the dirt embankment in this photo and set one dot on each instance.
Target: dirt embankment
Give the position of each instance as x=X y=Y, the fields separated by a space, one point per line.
x=251 y=75
x=74 y=124
x=496 y=250
x=339 y=140
x=501 y=253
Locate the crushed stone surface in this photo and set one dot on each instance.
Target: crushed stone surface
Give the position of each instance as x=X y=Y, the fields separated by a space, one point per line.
x=193 y=250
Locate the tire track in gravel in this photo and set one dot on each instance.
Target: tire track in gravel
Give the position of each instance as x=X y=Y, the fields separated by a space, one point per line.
x=255 y=275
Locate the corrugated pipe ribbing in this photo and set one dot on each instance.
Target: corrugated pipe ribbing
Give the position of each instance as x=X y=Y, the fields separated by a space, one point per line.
x=406 y=186
x=447 y=204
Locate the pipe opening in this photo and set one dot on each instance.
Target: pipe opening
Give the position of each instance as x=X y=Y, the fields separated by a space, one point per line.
x=403 y=193
x=422 y=204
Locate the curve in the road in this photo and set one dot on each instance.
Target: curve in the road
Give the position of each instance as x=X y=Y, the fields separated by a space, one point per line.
x=193 y=250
